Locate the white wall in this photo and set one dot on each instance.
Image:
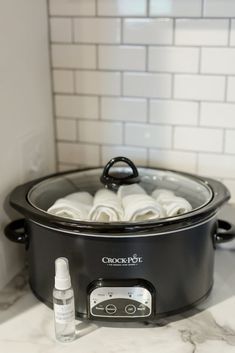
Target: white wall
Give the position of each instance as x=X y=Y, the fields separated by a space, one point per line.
x=149 y=79
x=26 y=123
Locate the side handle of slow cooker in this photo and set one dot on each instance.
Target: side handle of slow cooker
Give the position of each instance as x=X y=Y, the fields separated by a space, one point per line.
x=225 y=232
x=15 y=231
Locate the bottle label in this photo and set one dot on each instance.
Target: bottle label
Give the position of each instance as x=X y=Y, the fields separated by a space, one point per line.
x=64 y=313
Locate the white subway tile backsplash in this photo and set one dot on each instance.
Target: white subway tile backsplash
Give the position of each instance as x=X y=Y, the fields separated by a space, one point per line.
x=176 y=8
x=219 y=8
x=63 y=81
x=150 y=79
x=61 y=29
x=97 y=30
x=124 y=109
x=129 y=58
x=147 y=85
x=100 y=132
x=231 y=89
x=66 y=129
x=199 y=87
x=72 y=7
x=98 y=82
x=146 y=135
x=201 y=32
x=173 y=59
x=198 y=139
x=172 y=112
x=76 y=107
x=148 y=31
x=137 y=155
x=178 y=160
x=78 y=153
x=216 y=165
x=122 y=7
x=73 y=56
x=218 y=61
x=218 y=114
x=230 y=141
x=232 y=34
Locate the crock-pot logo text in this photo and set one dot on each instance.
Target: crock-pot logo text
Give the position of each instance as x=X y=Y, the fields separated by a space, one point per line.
x=133 y=260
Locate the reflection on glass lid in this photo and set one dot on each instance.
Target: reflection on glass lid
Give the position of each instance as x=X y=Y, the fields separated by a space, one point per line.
x=44 y=194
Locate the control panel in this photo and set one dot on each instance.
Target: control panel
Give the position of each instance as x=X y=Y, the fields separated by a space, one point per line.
x=120 y=302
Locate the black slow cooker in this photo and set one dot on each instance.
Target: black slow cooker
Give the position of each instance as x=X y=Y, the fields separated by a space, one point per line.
x=123 y=270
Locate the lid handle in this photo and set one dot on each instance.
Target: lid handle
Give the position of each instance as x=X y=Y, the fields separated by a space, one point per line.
x=114 y=180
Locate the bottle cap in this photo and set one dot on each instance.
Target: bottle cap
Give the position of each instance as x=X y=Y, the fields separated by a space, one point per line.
x=62 y=276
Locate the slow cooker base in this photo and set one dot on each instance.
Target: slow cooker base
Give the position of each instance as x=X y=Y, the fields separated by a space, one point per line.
x=157 y=317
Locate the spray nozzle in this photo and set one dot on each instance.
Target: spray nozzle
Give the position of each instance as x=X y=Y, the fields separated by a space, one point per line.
x=62 y=276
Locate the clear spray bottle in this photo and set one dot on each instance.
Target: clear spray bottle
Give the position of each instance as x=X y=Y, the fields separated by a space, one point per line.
x=63 y=302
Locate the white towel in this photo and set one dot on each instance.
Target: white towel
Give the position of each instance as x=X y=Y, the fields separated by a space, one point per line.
x=173 y=205
x=160 y=195
x=176 y=206
x=138 y=206
x=129 y=190
x=74 y=206
x=106 y=207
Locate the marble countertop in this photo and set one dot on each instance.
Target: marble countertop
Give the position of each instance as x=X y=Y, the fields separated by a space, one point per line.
x=26 y=325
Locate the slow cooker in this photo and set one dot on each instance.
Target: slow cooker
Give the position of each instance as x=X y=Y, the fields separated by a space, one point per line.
x=123 y=271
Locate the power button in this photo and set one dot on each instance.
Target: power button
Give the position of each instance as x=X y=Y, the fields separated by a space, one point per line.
x=110 y=309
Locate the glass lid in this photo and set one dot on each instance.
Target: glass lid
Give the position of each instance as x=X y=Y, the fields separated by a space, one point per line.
x=170 y=186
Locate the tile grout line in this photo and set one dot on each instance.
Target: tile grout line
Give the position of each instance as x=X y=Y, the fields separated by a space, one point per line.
x=143 y=123
x=97 y=58
x=96 y=8
x=172 y=86
x=148 y=8
x=122 y=84
x=72 y=31
x=226 y=89
x=99 y=108
x=141 y=44
x=202 y=8
x=163 y=73
x=200 y=60
x=173 y=32
x=74 y=82
x=199 y=113
x=155 y=17
x=165 y=149
x=77 y=130
x=229 y=32
x=121 y=32
x=147 y=48
x=79 y=94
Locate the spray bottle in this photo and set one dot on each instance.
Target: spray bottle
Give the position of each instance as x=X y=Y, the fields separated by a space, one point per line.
x=63 y=302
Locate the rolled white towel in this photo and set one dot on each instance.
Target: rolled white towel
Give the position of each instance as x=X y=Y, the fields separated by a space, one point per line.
x=138 y=206
x=173 y=205
x=160 y=195
x=132 y=189
x=74 y=206
x=106 y=207
x=176 y=206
